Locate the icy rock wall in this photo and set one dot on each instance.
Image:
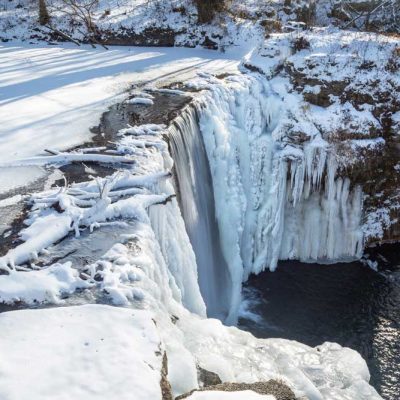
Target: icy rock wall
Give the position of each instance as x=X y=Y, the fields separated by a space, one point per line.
x=196 y=198
x=274 y=199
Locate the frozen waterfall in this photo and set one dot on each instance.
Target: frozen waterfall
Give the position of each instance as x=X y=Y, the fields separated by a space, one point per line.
x=250 y=196
x=195 y=194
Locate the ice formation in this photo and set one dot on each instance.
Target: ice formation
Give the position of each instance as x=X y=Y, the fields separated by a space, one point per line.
x=274 y=199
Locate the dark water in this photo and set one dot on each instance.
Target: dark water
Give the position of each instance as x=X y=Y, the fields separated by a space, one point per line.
x=345 y=303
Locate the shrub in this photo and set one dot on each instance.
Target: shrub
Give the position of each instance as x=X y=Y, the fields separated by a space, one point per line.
x=300 y=43
x=393 y=63
x=271 y=25
x=181 y=10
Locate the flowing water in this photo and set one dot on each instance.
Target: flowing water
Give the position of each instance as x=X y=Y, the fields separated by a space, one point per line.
x=196 y=198
x=345 y=303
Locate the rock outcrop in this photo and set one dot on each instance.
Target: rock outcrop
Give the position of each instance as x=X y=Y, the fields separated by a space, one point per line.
x=272 y=387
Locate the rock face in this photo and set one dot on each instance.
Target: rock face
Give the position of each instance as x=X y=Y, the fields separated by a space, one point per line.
x=374 y=167
x=272 y=387
x=207 y=378
x=166 y=390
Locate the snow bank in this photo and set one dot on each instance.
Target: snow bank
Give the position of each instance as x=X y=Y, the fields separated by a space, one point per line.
x=325 y=372
x=86 y=352
x=117 y=351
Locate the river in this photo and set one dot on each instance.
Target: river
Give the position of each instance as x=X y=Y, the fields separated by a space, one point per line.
x=350 y=304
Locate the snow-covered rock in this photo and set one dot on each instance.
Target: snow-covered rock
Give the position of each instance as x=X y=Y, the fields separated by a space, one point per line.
x=47 y=285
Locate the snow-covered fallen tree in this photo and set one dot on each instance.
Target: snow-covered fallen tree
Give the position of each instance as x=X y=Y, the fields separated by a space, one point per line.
x=125 y=195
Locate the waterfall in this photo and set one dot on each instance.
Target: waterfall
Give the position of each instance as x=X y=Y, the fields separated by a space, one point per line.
x=195 y=194
x=250 y=196
x=275 y=198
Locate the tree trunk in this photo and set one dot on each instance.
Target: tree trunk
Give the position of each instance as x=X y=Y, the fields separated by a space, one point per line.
x=44 y=17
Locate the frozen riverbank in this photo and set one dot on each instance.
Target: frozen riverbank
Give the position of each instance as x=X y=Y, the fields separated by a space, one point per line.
x=51 y=96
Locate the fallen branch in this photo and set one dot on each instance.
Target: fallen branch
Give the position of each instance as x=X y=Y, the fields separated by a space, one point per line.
x=66 y=158
x=62 y=34
x=164 y=202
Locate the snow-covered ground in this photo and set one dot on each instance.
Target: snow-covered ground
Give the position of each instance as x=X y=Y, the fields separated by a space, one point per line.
x=87 y=352
x=51 y=95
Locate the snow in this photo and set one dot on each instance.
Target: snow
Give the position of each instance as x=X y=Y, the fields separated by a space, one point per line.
x=242 y=395
x=11 y=201
x=86 y=352
x=39 y=235
x=43 y=286
x=141 y=100
x=51 y=95
x=325 y=372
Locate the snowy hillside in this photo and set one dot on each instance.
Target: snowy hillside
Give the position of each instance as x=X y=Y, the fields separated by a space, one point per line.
x=179 y=23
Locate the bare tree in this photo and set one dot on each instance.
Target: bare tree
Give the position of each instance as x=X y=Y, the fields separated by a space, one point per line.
x=82 y=10
x=370 y=14
x=206 y=9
